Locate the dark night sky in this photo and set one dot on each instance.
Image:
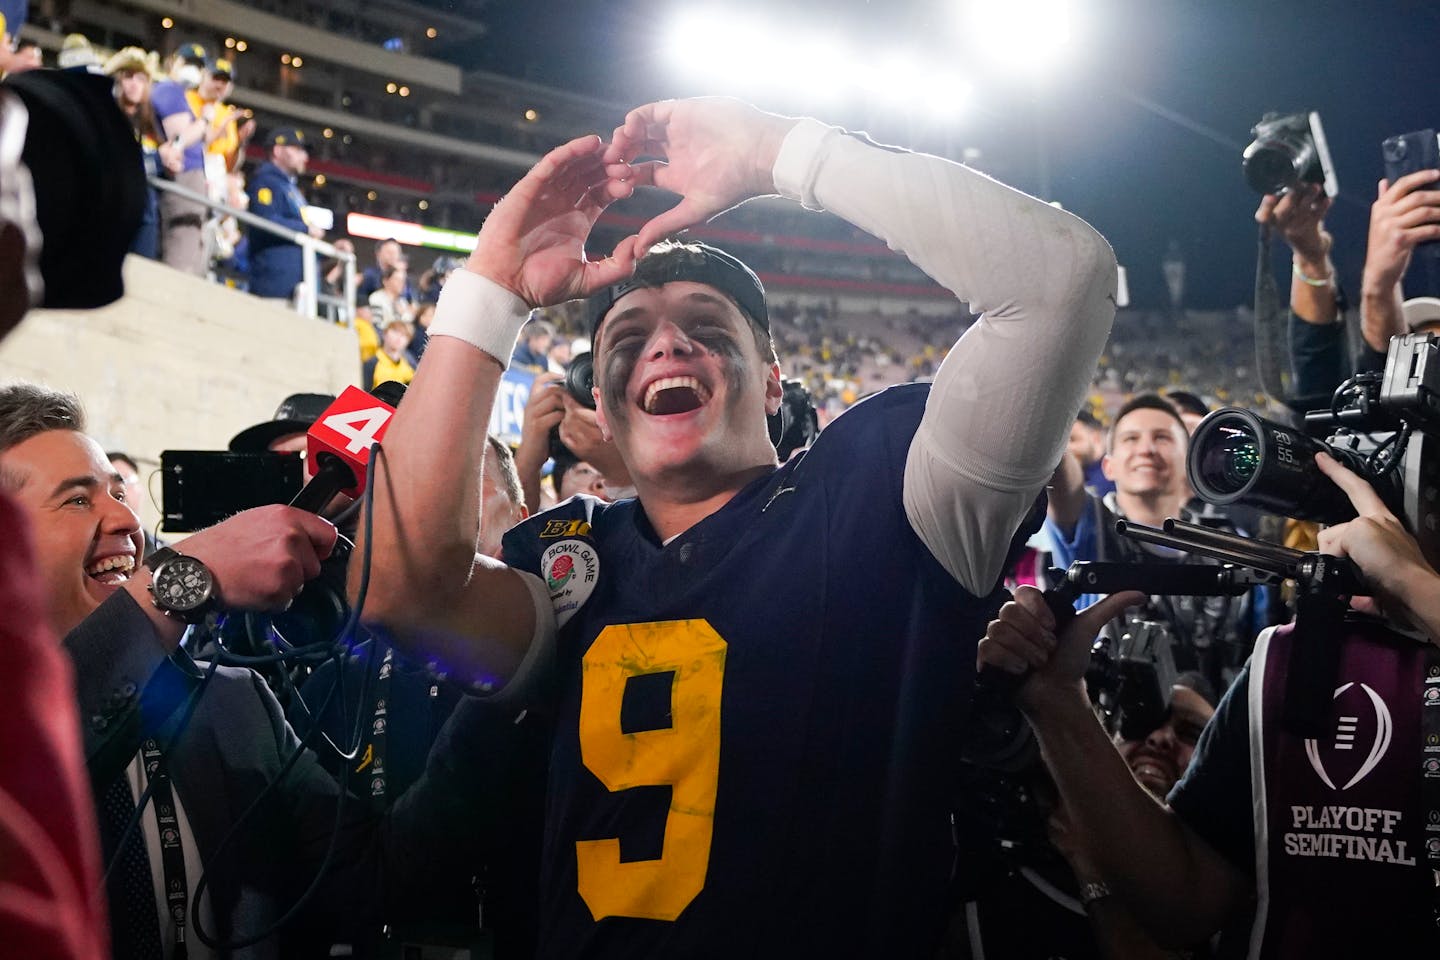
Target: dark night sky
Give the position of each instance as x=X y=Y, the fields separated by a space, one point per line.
x=1369 y=68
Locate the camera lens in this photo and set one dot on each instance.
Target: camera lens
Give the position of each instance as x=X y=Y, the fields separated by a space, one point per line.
x=1283 y=155
x=1237 y=457
x=1230 y=462
x=580 y=379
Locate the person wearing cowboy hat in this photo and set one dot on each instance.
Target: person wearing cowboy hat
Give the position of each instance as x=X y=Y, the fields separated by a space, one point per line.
x=133 y=71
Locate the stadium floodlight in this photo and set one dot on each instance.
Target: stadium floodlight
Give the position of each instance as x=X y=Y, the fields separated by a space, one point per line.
x=902 y=82
x=946 y=96
x=893 y=79
x=740 y=54
x=1027 y=37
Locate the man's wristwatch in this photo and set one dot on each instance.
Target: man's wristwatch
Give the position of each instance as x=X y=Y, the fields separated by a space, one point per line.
x=180 y=586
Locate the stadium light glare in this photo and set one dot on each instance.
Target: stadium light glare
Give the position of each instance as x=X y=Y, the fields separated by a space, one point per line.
x=229 y=43
x=691 y=37
x=739 y=54
x=166 y=23
x=320 y=180
x=1027 y=37
x=431 y=32
x=391 y=87
x=423 y=204
x=404 y=91
x=891 y=78
x=947 y=97
x=285 y=59
x=815 y=67
x=297 y=62
x=372 y=195
x=241 y=45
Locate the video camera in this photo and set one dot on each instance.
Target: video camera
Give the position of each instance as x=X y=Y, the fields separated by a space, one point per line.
x=1288 y=151
x=1383 y=426
x=1380 y=425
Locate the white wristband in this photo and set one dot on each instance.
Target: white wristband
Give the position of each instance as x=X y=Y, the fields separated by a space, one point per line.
x=479 y=311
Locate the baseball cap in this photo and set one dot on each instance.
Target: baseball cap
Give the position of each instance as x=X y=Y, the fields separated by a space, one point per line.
x=222 y=67
x=698 y=263
x=193 y=53
x=294 y=415
x=76 y=53
x=1419 y=311
x=287 y=137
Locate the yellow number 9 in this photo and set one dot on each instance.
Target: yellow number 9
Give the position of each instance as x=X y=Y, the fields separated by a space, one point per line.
x=685 y=755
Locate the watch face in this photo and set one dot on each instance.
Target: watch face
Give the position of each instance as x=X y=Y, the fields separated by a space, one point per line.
x=182 y=584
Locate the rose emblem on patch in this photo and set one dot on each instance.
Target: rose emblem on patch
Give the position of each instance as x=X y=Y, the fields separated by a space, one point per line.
x=560 y=571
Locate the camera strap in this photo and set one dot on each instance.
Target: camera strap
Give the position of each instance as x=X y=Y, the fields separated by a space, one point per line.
x=1430 y=765
x=1272 y=350
x=172 y=851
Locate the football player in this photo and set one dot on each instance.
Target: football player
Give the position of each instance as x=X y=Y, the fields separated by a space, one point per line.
x=752 y=670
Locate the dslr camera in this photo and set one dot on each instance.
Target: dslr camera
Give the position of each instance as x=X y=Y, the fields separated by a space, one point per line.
x=1288 y=151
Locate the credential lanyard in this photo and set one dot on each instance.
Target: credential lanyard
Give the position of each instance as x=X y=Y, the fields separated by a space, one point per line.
x=172 y=852
x=374 y=758
x=1430 y=764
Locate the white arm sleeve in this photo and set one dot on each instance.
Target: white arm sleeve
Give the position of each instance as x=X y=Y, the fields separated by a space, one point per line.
x=539 y=659
x=1003 y=400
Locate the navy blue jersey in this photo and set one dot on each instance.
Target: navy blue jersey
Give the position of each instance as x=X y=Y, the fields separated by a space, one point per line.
x=756 y=724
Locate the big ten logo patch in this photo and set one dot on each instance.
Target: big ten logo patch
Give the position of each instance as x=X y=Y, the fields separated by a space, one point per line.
x=570 y=569
x=565 y=528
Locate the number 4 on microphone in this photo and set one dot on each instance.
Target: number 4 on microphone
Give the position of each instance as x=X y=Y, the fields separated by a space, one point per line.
x=362 y=428
x=350 y=426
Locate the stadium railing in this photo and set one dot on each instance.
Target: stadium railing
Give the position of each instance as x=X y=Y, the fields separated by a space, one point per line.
x=309 y=299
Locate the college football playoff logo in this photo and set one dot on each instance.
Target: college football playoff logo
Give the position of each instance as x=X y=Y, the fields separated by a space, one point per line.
x=1358 y=721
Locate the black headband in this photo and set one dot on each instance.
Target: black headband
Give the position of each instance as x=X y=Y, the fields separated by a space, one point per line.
x=698 y=263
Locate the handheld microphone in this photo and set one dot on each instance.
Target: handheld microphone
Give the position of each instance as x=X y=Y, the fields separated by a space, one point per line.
x=338 y=444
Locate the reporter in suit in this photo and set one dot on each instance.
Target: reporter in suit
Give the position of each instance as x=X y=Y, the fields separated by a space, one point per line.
x=134 y=687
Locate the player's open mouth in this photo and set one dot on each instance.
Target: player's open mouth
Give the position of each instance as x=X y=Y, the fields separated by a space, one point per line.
x=111 y=570
x=672 y=395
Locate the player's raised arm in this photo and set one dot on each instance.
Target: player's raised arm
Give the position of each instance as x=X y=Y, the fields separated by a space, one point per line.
x=1044 y=280
x=1004 y=399
x=478 y=617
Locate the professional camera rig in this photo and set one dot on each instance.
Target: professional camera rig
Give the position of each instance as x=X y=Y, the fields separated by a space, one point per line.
x=1383 y=426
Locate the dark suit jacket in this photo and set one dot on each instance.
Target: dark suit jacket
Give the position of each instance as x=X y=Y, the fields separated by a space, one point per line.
x=233 y=747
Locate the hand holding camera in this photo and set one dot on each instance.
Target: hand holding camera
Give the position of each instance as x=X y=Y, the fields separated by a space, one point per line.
x=1022 y=639
x=1406 y=213
x=1300 y=216
x=1381 y=547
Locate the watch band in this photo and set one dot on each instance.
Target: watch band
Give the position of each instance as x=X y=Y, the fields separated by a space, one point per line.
x=160 y=556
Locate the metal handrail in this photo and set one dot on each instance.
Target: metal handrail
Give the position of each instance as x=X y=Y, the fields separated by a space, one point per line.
x=307 y=301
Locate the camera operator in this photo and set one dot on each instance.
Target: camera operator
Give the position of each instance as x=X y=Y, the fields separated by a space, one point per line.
x=1145 y=457
x=1052 y=901
x=1347 y=878
x=1405 y=214
x=561 y=427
